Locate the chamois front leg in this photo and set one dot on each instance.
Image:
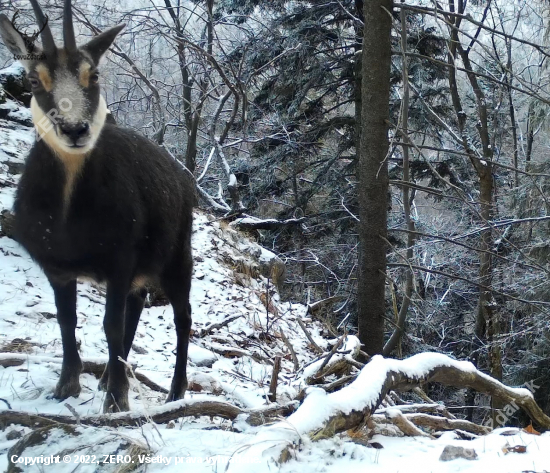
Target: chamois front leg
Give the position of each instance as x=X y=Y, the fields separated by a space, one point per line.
x=134 y=307
x=116 y=398
x=65 y=301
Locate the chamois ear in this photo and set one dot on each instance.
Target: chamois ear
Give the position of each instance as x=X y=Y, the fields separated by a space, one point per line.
x=97 y=46
x=13 y=39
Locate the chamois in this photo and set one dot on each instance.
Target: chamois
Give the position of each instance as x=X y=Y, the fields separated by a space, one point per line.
x=99 y=201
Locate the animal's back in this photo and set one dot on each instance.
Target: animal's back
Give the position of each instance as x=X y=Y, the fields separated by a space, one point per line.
x=130 y=199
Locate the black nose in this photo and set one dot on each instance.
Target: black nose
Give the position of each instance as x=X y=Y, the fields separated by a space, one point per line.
x=75 y=132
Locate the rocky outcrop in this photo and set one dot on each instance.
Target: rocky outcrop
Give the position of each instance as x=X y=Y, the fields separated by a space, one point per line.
x=15 y=85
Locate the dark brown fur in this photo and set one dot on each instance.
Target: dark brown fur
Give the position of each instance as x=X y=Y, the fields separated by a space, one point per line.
x=129 y=218
x=99 y=201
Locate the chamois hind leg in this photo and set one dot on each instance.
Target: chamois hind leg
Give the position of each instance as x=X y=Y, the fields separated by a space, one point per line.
x=65 y=301
x=134 y=306
x=176 y=283
x=116 y=398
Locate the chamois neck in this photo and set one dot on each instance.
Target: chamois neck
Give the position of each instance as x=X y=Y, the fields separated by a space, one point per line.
x=73 y=164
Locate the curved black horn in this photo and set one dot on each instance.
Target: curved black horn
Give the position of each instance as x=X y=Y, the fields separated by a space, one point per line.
x=68 y=28
x=46 y=34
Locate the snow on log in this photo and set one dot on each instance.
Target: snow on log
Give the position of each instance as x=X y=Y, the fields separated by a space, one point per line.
x=322 y=415
x=252 y=223
x=334 y=362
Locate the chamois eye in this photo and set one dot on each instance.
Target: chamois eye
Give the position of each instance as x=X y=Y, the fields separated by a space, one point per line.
x=94 y=78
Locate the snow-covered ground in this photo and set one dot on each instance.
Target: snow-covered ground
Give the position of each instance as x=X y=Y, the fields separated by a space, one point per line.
x=225 y=284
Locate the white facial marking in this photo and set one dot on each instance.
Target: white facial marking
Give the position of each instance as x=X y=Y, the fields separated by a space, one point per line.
x=65 y=104
x=67 y=90
x=44 y=122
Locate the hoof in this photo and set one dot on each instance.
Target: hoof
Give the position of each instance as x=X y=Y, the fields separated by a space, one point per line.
x=172 y=397
x=65 y=389
x=177 y=393
x=114 y=403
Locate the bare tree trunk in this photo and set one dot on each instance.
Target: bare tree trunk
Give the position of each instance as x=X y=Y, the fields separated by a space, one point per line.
x=397 y=334
x=372 y=173
x=509 y=77
x=192 y=114
x=357 y=74
x=486 y=325
x=530 y=135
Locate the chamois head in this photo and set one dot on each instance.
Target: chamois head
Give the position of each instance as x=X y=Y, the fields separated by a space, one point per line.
x=67 y=108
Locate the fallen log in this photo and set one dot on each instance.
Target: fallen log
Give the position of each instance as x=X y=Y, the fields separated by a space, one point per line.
x=263 y=415
x=434 y=408
x=322 y=415
x=404 y=424
x=159 y=415
x=436 y=423
x=381 y=375
x=252 y=223
x=92 y=366
x=442 y=423
x=334 y=362
x=316 y=306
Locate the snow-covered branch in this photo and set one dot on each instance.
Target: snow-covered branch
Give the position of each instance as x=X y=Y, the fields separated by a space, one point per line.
x=322 y=415
x=252 y=223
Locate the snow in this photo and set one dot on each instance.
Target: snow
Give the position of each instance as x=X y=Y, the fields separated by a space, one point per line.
x=249 y=220
x=420 y=454
x=14 y=69
x=19 y=114
x=28 y=324
x=363 y=393
x=318 y=407
x=200 y=356
x=349 y=349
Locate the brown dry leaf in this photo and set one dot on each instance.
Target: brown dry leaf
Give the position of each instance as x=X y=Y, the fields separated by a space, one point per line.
x=514 y=449
x=196 y=387
x=268 y=304
x=352 y=433
x=18 y=345
x=531 y=430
